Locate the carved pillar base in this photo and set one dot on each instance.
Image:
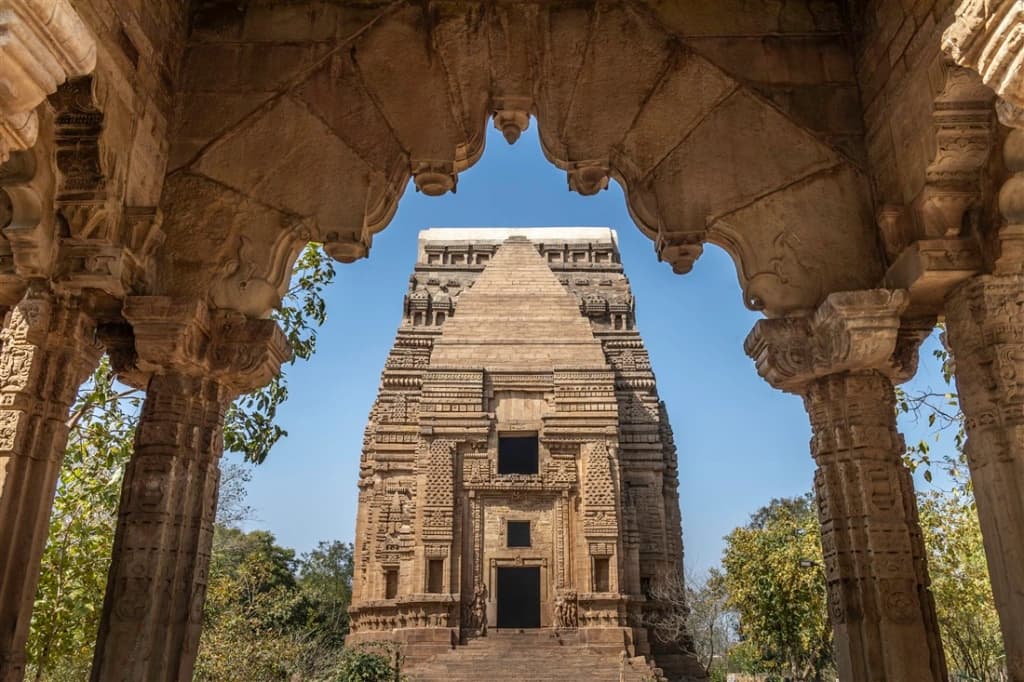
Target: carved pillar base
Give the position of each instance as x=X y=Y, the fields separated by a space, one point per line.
x=985 y=330
x=157 y=585
x=881 y=609
x=842 y=360
x=48 y=351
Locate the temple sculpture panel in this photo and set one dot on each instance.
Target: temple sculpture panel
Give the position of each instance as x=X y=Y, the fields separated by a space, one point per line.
x=518 y=469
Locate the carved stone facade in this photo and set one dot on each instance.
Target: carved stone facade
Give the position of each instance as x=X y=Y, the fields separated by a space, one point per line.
x=529 y=333
x=167 y=161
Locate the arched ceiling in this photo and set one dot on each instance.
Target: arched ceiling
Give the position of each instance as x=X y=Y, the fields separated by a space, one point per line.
x=304 y=120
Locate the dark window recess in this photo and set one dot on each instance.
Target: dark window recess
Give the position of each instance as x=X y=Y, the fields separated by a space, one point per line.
x=517 y=455
x=391 y=583
x=645 y=586
x=518 y=533
x=600 y=575
x=435 y=576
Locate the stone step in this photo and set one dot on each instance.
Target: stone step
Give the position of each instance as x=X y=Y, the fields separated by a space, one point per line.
x=541 y=655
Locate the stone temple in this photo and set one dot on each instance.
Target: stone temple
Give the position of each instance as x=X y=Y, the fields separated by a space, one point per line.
x=163 y=163
x=519 y=470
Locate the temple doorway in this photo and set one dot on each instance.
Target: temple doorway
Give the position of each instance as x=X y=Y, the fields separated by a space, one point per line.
x=519 y=597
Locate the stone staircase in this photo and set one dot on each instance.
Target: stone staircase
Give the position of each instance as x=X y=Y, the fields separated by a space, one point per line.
x=542 y=655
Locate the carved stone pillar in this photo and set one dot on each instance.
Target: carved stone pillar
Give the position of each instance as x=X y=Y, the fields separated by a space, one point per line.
x=48 y=350
x=842 y=361
x=198 y=361
x=985 y=330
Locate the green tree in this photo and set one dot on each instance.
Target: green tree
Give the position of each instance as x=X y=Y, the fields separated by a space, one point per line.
x=778 y=592
x=325 y=578
x=102 y=425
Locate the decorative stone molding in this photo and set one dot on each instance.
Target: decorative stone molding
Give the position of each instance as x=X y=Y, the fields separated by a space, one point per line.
x=435 y=178
x=512 y=116
x=186 y=337
x=588 y=177
x=963 y=132
x=680 y=249
x=929 y=245
x=45 y=42
x=850 y=331
x=986 y=36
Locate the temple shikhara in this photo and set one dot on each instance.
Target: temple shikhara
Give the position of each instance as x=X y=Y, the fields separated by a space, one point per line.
x=519 y=469
x=164 y=162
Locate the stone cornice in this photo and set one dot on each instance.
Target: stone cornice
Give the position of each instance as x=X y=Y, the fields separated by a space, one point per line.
x=185 y=336
x=46 y=42
x=850 y=331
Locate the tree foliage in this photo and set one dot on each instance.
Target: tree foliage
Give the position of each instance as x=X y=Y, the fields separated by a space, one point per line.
x=102 y=426
x=694 y=614
x=270 y=615
x=777 y=589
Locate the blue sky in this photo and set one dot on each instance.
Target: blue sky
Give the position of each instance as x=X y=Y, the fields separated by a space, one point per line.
x=740 y=442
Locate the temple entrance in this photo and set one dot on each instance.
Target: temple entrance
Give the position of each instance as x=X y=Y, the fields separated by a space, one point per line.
x=519 y=597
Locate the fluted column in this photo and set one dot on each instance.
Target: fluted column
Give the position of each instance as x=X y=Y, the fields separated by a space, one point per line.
x=48 y=350
x=842 y=362
x=198 y=362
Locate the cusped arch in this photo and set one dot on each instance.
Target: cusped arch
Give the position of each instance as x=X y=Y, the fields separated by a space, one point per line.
x=283 y=140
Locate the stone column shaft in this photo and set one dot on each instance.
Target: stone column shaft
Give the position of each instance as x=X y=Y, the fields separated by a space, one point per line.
x=198 y=361
x=985 y=331
x=842 y=361
x=879 y=603
x=157 y=585
x=48 y=351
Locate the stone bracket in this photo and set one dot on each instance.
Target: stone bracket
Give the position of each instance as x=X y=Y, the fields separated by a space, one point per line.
x=188 y=337
x=850 y=331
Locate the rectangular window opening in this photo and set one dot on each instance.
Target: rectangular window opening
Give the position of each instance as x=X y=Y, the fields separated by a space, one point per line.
x=518 y=534
x=600 y=574
x=517 y=455
x=390 y=583
x=435 y=576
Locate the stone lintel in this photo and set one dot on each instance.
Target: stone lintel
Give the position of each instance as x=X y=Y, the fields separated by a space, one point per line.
x=850 y=331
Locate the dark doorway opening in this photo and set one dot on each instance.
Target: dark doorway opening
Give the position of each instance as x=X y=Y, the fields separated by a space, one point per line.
x=519 y=597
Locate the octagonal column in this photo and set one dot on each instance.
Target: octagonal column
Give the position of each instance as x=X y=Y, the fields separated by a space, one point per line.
x=48 y=350
x=198 y=362
x=842 y=362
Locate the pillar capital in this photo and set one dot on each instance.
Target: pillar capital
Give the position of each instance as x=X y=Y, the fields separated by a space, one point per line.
x=46 y=42
x=850 y=331
x=187 y=337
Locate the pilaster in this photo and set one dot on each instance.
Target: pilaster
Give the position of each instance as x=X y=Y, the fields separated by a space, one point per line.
x=49 y=349
x=843 y=361
x=197 y=361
